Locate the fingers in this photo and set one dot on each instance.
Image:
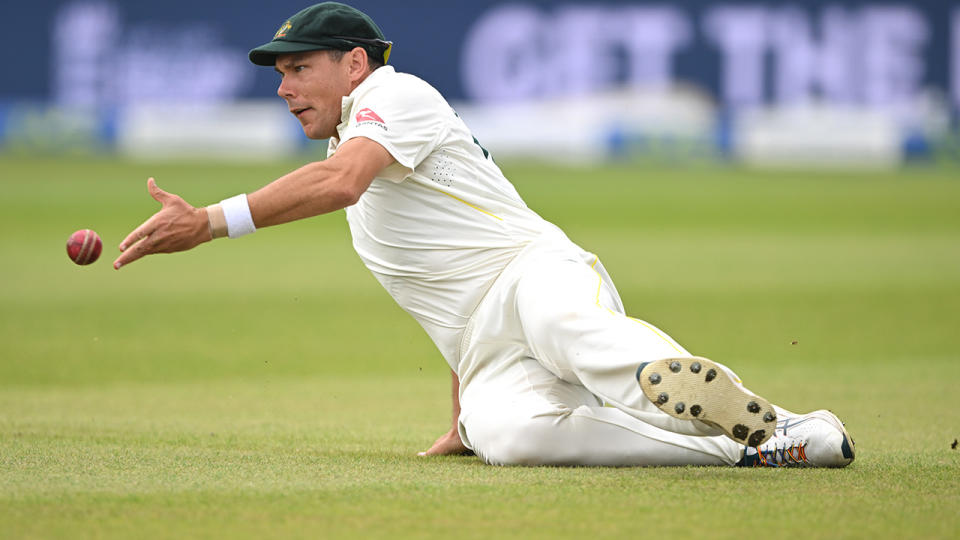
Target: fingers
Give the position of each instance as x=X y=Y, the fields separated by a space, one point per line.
x=149 y=226
x=447 y=445
x=144 y=230
x=146 y=227
x=158 y=194
x=455 y=451
x=140 y=232
x=136 y=252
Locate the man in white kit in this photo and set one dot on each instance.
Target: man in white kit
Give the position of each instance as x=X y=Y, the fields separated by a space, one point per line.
x=546 y=367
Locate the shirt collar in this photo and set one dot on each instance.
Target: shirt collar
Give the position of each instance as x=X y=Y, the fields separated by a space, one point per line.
x=347 y=102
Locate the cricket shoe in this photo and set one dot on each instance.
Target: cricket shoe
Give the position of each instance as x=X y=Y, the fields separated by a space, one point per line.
x=696 y=388
x=817 y=439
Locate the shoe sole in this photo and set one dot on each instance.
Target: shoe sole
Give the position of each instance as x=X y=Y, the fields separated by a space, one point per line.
x=697 y=388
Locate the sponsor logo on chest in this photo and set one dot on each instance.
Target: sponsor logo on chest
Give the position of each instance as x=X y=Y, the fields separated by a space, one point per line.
x=367 y=116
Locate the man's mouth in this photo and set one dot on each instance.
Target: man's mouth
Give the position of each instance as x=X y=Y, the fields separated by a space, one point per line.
x=297 y=112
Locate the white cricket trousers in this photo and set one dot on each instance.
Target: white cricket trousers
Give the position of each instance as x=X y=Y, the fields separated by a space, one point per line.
x=547 y=348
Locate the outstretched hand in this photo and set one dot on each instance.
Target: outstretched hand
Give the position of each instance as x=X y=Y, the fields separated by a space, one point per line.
x=178 y=226
x=449 y=444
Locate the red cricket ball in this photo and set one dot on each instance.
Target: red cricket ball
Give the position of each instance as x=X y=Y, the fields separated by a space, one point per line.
x=84 y=246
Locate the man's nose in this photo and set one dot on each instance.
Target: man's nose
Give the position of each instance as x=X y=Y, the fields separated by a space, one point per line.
x=284 y=89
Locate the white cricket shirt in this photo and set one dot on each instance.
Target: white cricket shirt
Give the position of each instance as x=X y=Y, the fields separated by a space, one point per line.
x=437 y=227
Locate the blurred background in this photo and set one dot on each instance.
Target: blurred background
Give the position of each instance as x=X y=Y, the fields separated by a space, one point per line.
x=773 y=184
x=808 y=83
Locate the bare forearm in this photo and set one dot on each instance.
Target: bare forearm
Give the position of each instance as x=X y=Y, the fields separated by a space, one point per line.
x=320 y=187
x=455 y=399
x=313 y=189
x=450 y=443
x=309 y=191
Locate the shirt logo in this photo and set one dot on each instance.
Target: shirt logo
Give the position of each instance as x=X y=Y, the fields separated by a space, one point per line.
x=367 y=116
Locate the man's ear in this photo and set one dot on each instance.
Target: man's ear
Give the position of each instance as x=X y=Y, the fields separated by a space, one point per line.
x=359 y=63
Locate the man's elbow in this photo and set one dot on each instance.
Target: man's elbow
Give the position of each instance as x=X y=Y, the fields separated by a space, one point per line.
x=339 y=187
x=348 y=193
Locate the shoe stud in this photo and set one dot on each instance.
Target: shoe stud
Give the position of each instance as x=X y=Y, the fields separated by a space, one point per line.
x=753 y=407
x=695 y=367
x=756 y=438
x=711 y=375
x=696 y=410
x=675 y=366
x=769 y=417
x=655 y=378
x=740 y=431
x=663 y=398
x=679 y=407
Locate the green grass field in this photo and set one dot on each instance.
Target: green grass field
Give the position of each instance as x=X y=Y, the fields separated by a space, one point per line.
x=267 y=387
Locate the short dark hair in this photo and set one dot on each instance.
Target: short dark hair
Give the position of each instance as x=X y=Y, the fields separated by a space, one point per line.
x=337 y=55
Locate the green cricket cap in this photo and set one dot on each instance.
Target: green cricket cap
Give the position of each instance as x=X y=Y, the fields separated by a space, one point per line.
x=325 y=26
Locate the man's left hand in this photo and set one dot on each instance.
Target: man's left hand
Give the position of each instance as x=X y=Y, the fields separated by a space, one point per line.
x=449 y=444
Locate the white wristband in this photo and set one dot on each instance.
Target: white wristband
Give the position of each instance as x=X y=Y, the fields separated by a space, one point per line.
x=237 y=211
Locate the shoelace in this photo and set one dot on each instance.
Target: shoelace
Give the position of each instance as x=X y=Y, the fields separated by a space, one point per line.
x=778 y=457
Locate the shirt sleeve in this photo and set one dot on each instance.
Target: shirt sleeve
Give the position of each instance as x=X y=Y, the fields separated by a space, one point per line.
x=408 y=120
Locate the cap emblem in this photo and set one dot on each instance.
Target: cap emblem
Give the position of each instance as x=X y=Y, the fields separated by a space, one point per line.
x=282 y=32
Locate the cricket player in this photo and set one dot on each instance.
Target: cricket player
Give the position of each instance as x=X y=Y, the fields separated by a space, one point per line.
x=546 y=367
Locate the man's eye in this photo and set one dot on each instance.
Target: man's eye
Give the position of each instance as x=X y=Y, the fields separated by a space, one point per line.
x=299 y=68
